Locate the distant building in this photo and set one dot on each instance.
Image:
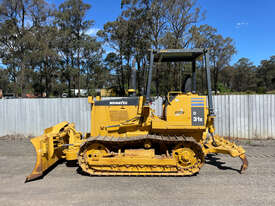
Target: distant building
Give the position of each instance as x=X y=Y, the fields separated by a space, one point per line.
x=83 y=92
x=110 y=92
x=74 y=92
x=9 y=96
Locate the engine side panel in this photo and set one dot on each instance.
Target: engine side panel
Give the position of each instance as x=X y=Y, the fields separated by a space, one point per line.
x=187 y=109
x=116 y=117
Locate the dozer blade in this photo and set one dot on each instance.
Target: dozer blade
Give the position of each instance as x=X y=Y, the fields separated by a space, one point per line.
x=47 y=151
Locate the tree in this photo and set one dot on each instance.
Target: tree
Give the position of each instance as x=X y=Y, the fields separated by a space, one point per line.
x=4 y=80
x=220 y=55
x=202 y=37
x=227 y=76
x=13 y=36
x=71 y=23
x=166 y=24
x=23 y=35
x=244 y=78
x=148 y=15
x=221 y=49
x=181 y=15
x=113 y=64
x=266 y=74
x=95 y=74
x=127 y=39
x=48 y=49
x=44 y=54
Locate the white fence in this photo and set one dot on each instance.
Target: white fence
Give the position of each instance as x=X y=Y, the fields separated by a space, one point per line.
x=243 y=116
x=32 y=116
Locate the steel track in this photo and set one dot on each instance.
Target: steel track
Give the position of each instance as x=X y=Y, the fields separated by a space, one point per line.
x=120 y=142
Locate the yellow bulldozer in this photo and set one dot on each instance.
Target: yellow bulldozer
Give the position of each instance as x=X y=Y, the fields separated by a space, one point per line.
x=128 y=139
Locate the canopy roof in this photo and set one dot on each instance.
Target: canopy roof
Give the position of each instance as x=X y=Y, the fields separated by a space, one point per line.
x=175 y=55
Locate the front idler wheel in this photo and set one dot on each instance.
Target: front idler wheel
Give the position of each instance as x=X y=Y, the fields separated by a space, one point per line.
x=189 y=157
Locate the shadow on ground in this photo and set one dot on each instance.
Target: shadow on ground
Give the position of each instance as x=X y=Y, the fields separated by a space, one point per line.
x=212 y=159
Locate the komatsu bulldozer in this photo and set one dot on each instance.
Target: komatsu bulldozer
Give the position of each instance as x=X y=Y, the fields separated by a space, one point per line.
x=128 y=138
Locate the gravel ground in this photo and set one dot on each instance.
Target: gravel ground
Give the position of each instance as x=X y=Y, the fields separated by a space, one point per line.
x=218 y=182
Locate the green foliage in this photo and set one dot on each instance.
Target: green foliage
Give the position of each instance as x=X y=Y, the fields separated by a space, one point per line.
x=222 y=89
x=47 y=49
x=244 y=79
x=261 y=90
x=221 y=49
x=51 y=50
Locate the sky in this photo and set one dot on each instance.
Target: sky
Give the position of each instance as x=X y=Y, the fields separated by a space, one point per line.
x=250 y=23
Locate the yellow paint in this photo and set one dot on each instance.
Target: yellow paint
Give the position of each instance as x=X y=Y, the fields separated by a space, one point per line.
x=138 y=158
x=49 y=147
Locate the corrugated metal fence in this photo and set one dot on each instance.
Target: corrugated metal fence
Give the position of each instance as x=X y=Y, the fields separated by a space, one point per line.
x=244 y=116
x=32 y=116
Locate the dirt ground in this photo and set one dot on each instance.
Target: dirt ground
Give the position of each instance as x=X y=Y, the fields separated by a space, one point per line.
x=218 y=182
